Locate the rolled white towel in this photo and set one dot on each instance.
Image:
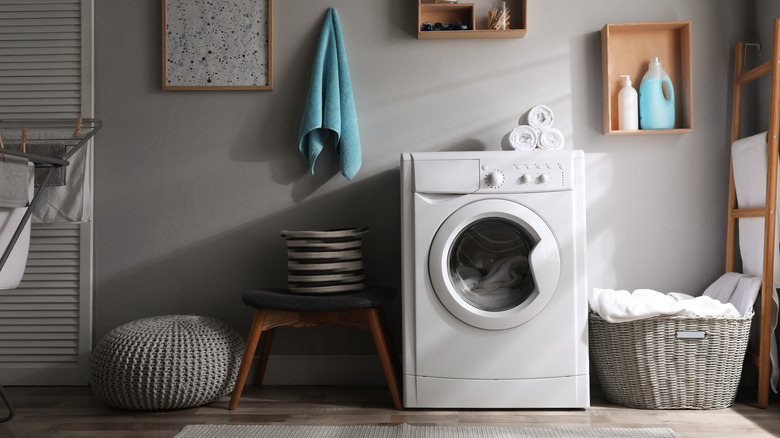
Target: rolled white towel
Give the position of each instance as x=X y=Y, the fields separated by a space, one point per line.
x=551 y=139
x=540 y=116
x=524 y=138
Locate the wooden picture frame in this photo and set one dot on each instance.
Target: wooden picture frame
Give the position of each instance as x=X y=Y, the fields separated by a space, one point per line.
x=209 y=46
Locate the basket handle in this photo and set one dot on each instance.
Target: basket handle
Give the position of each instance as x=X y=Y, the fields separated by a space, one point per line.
x=691 y=334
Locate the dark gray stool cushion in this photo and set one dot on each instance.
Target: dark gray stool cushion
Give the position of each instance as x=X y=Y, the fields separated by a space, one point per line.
x=281 y=299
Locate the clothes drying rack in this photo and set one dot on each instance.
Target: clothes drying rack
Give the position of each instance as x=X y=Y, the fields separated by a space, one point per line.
x=83 y=130
x=768 y=212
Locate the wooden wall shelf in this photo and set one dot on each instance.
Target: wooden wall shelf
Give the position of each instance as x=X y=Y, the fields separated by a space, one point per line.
x=453 y=13
x=626 y=48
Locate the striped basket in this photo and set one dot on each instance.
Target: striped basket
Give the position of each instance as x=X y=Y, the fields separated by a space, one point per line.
x=325 y=262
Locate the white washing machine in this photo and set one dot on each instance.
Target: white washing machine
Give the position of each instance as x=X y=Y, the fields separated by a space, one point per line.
x=494 y=280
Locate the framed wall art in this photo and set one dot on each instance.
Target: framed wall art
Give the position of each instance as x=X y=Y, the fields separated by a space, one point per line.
x=217 y=45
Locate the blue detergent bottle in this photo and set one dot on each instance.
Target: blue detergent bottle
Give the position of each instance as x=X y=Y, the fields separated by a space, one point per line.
x=655 y=110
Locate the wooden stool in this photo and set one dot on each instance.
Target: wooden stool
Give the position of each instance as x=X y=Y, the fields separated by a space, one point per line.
x=277 y=308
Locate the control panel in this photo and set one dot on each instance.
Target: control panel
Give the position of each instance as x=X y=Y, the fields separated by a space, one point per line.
x=527 y=174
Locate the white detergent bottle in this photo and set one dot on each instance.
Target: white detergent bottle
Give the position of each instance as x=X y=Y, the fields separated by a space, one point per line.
x=656 y=111
x=628 y=109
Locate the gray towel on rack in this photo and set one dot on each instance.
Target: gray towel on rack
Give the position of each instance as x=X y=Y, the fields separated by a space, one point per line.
x=14 y=176
x=70 y=199
x=58 y=176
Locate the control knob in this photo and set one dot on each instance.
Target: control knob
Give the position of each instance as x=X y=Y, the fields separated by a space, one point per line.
x=525 y=178
x=494 y=179
x=544 y=178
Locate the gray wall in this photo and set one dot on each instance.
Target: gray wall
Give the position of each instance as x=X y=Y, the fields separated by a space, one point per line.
x=193 y=187
x=766 y=12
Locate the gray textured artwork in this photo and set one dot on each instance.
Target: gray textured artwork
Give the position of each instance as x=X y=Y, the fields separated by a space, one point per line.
x=216 y=43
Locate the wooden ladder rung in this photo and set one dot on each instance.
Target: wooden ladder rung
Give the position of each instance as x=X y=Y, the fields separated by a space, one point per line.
x=754 y=73
x=747 y=212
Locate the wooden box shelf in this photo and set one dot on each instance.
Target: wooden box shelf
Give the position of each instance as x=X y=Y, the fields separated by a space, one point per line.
x=454 y=13
x=446 y=13
x=626 y=49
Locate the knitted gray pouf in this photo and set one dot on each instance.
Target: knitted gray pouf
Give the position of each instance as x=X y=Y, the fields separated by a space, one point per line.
x=166 y=362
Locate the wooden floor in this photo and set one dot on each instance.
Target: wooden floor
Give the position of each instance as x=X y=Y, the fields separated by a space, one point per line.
x=58 y=412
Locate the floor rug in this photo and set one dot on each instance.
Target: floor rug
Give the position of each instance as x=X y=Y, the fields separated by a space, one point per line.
x=410 y=431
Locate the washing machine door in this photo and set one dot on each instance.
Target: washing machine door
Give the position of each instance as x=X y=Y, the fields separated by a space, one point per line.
x=494 y=264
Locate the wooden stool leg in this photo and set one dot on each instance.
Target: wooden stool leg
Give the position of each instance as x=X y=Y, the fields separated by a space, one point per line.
x=264 y=353
x=390 y=345
x=249 y=352
x=381 y=339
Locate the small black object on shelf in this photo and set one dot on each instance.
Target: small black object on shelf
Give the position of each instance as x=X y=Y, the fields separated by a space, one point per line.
x=429 y=26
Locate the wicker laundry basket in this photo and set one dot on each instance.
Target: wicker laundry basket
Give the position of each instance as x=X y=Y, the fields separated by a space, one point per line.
x=670 y=362
x=325 y=262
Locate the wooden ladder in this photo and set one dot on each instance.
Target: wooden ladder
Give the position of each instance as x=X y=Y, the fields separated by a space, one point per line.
x=768 y=213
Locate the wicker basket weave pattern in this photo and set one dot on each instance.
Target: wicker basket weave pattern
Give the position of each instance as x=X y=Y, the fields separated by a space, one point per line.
x=166 y=362
x=642 y=364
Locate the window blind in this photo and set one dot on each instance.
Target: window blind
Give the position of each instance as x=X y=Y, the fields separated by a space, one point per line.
x=40 y=55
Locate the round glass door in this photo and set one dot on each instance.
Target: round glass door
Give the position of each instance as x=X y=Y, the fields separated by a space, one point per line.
x=488 y=265
x=494 y=264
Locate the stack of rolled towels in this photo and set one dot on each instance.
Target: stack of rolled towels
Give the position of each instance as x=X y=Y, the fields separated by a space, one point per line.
x=538 y=133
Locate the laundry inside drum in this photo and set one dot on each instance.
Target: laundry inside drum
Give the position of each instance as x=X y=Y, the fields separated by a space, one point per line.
x=488 y=264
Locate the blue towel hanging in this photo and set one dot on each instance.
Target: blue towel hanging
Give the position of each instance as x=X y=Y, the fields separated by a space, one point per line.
x=330 y=107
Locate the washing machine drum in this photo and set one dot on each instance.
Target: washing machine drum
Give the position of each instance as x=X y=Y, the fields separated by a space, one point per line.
x=494 y=264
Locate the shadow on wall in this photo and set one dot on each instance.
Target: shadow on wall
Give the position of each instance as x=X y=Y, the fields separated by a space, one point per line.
x=209 y=277
x=284 y=159
x=588 y=49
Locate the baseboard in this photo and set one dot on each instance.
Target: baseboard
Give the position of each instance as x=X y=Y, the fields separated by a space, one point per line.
x=321 y=370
